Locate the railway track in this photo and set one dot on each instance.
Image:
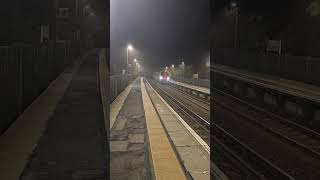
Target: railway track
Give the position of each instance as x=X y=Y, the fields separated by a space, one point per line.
x=274 y=137
x=198 y=101
x=192 y=97
x=297 y=135
x=200 y=107
x=199 y=124
x=236 y=165
x=257 y=165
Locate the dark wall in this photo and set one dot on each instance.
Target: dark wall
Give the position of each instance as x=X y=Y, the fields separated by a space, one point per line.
x=299 y=68
x=294 y=22
x=21 y=20
x=28 y=66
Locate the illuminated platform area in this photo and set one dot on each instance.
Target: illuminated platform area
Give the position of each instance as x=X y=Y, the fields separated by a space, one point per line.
x=148 y=139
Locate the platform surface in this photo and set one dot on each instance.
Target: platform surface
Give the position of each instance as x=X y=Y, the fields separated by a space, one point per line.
x=149 y=140
x=193 y=152
x=165 y=163
x=62 y=133
x=116 y=105
x=197 y=88
x=128 y=146
x=291 y=87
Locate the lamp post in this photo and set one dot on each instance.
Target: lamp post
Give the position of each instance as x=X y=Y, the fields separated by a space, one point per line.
x=85 y=10
x=135 y=65
x=235 y=12
x=129 y=48
x=183 y=69
x=76 y=8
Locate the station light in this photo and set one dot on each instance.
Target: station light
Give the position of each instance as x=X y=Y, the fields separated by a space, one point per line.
x=172 y=65
x=233 y=4
x=129 y=47
x=208 y=63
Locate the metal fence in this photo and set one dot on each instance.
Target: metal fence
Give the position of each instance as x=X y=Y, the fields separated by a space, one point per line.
x=299 y=68
x=26 y=71
x=197 y=82
x=118 y=83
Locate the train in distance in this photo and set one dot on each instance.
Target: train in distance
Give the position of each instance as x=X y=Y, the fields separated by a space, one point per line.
x=162 y=76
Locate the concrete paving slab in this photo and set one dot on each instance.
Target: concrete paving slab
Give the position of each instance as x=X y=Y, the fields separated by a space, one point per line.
x=124 y=167
x=120 y=123
x=168 y=117
x=195 y=152
x=135 y=146
x=116 y=105
x=173 y=126
x=161 y=109
x=127 y=141
x=181 y=138
x=118 y=146
x=136 y=138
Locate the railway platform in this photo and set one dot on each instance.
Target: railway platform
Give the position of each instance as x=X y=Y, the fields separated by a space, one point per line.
x=148 y=139
x=196 y=91
x=294 y=88
x=295 y=99
x=193 y=87
x=62 y=134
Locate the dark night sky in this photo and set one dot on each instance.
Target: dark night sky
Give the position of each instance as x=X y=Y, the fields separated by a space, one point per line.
x=163 y=32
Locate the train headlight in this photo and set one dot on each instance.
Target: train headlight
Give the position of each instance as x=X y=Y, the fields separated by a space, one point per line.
x=160 y=77
x=168 y=78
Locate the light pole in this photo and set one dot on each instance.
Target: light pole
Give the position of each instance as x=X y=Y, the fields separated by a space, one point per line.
x=182 y=63
x=129 y=48
x=77 y=8
x=135 y=66
x=139 y=69
x=85 y=10
x=235 y=9
x=236 y=32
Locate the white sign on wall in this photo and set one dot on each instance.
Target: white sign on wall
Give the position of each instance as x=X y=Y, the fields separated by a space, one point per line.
x=274 y=46
x=44 y=33
x=195 y=76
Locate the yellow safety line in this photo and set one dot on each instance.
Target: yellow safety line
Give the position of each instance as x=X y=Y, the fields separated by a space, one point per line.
x=165 y=163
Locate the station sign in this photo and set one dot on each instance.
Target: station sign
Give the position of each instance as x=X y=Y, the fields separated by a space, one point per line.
x=195 y=76
x=274 y=46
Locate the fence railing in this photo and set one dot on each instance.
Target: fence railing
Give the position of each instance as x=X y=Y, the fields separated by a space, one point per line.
x=27 y=70
x=118 y=83
x=299 y=68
